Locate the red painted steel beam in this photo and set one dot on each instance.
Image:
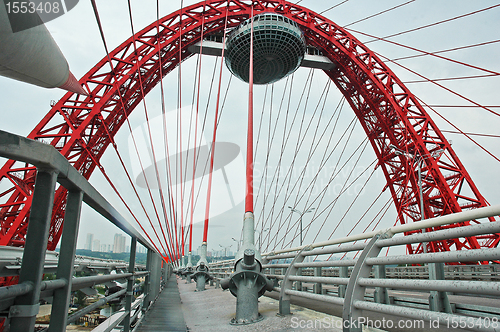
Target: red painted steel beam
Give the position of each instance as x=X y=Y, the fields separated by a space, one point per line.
x=387 y=110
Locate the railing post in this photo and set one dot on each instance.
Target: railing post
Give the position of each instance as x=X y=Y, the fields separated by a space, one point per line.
x=438 y=301
x=355 y=292
x=60 y=304
x=155 y=274
x=318 y=288
x=380 y=294
x=343 y=273
x=130 y=285
x=147 y=280
x=164 y=273
x=23 y=313
x=298 y=284
x=284 y=300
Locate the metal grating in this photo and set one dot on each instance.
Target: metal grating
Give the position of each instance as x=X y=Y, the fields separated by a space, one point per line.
x=166 y=313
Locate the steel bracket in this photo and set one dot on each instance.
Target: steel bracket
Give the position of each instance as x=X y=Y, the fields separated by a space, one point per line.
x=284 y=301
x=24 y=310
x=354 y=292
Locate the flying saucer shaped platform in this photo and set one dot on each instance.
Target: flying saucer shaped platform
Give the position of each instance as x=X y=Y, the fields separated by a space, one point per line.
x=278 y=48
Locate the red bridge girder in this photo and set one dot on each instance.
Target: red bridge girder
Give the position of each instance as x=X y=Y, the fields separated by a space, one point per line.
x=82 y=128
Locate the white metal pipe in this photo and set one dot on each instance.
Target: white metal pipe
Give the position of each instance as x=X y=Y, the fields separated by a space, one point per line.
x=426 y=315
x=317 y=297
x=343 y=262
x=333 y=250
x=322 y=280
x=278 y=266
x=450 y=233
x=470 y=287
x=484 y=212
x=439 y=257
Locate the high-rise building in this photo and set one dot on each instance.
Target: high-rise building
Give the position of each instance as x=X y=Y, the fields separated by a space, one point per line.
x=119 y=243
x=89 y=242
x=96 y=245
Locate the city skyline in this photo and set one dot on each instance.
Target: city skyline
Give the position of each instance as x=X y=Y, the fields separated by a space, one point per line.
x=119 y=244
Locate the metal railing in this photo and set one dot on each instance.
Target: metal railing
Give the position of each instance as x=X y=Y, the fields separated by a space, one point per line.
x=342 y=282
x=364 y=281
x=23 y=300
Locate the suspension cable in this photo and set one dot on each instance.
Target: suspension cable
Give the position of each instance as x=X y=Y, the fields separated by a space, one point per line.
x=196 y=130
x=379 y=13
x=436 y=23
x=212 y=151
x=96 y=13
x=164 y=123
x=448 y=50
x=149 y=129
x=324 y=11
x=424 y=52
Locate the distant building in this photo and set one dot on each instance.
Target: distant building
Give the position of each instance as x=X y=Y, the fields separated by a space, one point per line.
x=96 y=245
x=104 y=247
x=119 y=243
x=89 y=242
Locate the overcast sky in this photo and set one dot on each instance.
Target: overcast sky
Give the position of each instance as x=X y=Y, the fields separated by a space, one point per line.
x=77 y=35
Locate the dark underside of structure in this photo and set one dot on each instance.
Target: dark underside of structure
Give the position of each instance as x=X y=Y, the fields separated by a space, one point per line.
x=278 y=48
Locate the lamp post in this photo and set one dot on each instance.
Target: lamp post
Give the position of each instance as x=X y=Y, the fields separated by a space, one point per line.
x=301 y=214
x=418 y=160
x=237 y=243
x=225 y=249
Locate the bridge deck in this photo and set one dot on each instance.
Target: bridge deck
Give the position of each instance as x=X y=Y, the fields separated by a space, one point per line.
x=180 y=308
x=212 y=309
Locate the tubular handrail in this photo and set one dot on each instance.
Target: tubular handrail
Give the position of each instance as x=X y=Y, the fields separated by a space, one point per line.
x=472 y=287
x=463 y=216
x=369 y=271
x=47 y=157
x=52 y=167
x=73 y=317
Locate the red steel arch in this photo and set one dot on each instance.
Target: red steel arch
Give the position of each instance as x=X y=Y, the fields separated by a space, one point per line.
x=81 y=127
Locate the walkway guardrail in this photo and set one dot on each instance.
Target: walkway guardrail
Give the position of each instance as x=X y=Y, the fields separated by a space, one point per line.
x=22 y=300
x=11 y=260
x=357 y=277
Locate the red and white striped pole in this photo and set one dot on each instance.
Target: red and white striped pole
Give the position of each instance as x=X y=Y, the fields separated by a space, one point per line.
x=248 y=221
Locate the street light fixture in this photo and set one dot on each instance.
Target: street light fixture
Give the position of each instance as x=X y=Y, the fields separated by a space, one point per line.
x=418 y=160
x=237 y=242
x=301 y=214
x=225 y=249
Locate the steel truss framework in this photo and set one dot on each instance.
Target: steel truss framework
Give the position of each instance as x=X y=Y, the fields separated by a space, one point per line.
x=82 y=127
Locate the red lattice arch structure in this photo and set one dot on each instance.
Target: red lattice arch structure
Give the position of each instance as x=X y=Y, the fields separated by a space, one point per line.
x=82 y=128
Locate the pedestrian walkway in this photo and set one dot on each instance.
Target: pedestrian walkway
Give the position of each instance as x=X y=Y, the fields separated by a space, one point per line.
x=166 y=314
x=212 y=310
x=180 y=308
